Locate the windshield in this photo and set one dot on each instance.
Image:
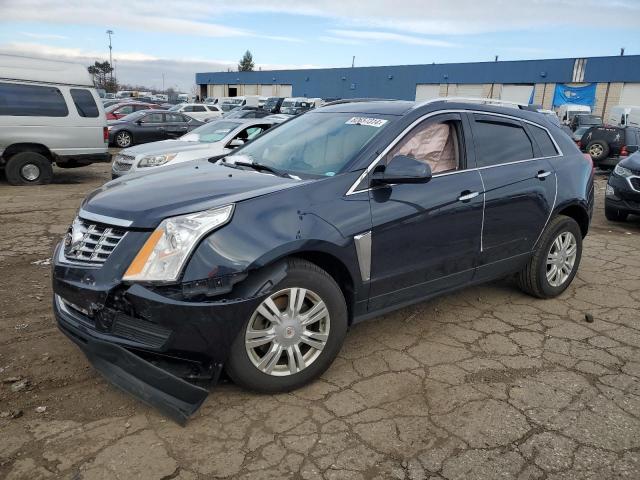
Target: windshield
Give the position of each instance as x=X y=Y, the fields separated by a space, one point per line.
x=314 y=143
x=589 y=120
x=175 y=108
x=210 y=132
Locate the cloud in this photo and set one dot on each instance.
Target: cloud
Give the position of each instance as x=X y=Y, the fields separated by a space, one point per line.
x=43 y=36
x=340 y=41
x=136 y=68
x=378 y=36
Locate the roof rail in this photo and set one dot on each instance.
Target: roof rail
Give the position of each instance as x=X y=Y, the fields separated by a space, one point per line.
x=486 y=101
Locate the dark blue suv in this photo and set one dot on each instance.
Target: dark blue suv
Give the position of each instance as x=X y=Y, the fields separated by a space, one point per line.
x=259 y=262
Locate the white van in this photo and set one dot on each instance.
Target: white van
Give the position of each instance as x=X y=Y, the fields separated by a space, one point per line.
x=50 y=113
x=619 y=116
x=567 y=111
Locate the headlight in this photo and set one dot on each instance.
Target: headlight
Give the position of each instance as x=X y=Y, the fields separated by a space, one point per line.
x=156 y=160
x=622 y=171
x=164 y=254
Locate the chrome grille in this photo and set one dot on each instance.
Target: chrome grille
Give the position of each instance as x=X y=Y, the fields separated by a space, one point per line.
x=91 y=242
x=123 y=163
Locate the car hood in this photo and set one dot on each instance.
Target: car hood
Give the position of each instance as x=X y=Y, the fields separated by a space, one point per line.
x=166 y=146
x=632 y=162
x=145 y=200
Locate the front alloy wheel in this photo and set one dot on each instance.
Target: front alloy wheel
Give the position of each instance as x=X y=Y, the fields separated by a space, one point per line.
x=294 y=333
x=287 y=332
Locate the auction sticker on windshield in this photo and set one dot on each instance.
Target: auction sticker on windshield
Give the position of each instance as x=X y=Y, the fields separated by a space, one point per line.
x=368 y=121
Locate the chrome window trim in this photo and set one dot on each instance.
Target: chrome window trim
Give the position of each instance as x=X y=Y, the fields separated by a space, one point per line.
x=352 y=190
x=96 y=217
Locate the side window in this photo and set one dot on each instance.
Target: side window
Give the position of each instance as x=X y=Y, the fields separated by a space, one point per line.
x=126 y=110
x=140 y=107
x=253 y=132
x=499 y=142
x=187 y=109
x=198 y=108
x=84 y=102
x=153 y=118
x=434 y=142
x=31 y=101
x=543 y=140
x=175 y=118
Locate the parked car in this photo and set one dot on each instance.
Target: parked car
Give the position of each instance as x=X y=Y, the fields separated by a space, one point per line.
x=607 y=144
x=584 y=120
x=50 y=113
x=211 y=139
x=246 y=112
x=622 y=195
x=107 y=102
x=199 y=111
x=273 y=104
x=122 y=109
x=259 y=262
x=211 y=100
x=149 y=126
x=296 y=106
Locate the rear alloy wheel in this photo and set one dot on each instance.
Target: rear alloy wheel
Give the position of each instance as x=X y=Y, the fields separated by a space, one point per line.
x=555 y=262
x=293 y=335
x=29 y=168
x=124 y=139
x=598 y=150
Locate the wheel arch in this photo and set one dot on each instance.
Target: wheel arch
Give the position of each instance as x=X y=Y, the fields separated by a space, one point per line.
x=16 y=148
x=579 y=214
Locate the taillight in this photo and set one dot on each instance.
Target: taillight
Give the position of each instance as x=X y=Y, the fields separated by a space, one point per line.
x=579 y=144
x=624 y=152
x=105 y=134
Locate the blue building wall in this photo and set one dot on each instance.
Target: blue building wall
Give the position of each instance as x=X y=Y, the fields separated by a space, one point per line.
x=400 y=81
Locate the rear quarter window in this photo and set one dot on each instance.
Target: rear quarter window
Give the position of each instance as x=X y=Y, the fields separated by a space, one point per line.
x=31 y=101
x=84 y=102
x=542 y=138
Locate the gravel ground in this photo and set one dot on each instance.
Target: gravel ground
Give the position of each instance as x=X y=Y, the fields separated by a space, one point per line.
x=482 y=384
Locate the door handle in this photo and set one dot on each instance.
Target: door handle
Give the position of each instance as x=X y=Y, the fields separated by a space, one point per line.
x=467 y=195
x=542 y=175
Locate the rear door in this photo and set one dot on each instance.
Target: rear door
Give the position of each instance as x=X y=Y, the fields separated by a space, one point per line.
x=176 y=125
x=152 y=127
x=519 y=189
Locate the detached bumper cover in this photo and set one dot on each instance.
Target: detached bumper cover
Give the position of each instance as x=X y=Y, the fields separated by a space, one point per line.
x=176 y=398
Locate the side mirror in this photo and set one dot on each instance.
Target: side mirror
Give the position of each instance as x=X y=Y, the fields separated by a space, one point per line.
x=402 y=169
x=139 y=122
x=236 y=142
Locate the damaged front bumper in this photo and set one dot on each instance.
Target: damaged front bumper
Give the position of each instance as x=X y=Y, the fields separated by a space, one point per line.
x=165 y=351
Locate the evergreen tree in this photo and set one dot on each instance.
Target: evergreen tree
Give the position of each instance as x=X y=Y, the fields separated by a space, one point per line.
x=246 y=63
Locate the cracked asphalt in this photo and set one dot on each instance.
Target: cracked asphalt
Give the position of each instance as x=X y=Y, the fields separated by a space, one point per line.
x=486 y=383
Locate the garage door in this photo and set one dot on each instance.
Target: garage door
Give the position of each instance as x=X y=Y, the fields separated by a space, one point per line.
x=516 y=93
x=467 y=90
x=630 y=94
x=266 y=90
x=426 y=91
x=284 y=91
x=250 y=90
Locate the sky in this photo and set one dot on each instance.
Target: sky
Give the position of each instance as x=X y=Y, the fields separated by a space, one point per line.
x=168 y=41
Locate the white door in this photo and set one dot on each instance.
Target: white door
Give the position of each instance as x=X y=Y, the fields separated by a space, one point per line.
x=427 y=91
x=516 y=93
x=266 y=90
x=467 y=90
x=285 y=91
x=630 y=94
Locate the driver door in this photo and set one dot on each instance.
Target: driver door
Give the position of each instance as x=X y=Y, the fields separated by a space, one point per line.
x=426 y=237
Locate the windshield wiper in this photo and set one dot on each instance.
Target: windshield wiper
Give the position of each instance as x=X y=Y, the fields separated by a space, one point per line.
x=261 y=167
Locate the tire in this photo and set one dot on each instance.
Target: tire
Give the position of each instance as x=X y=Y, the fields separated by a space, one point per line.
x=533 y=277
x=29 y=168
x=598 y=149
x=124 y=139
x=615 y=215
x=243 y=361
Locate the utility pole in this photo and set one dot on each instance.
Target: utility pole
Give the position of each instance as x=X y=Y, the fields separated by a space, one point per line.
x=353 y=61
x=163 y=83
x=110 y=32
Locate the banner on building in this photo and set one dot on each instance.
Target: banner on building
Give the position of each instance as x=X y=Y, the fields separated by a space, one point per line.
x=577 y=95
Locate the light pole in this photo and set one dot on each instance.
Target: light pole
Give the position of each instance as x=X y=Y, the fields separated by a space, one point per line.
x=110 y=32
